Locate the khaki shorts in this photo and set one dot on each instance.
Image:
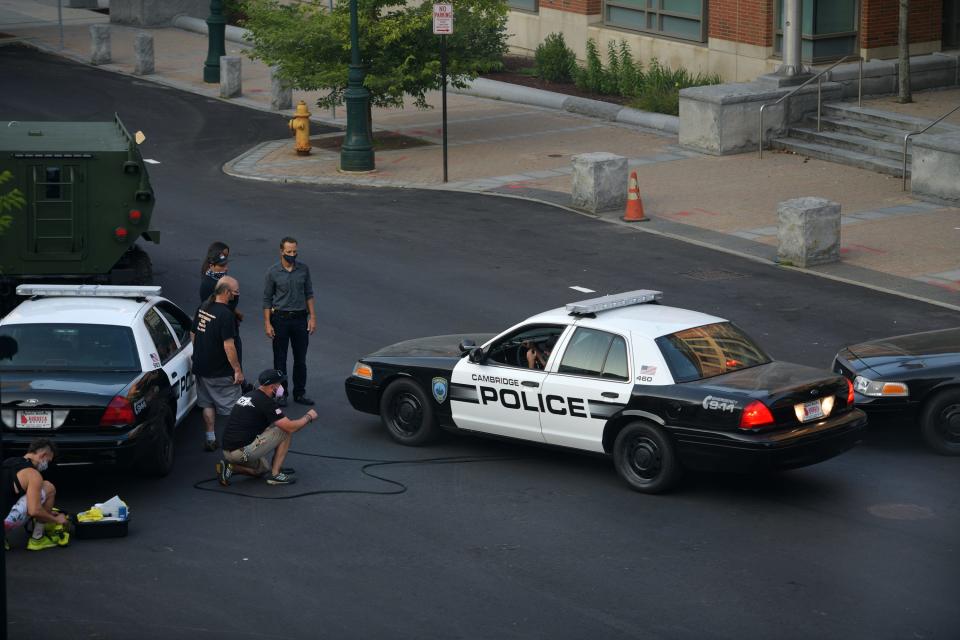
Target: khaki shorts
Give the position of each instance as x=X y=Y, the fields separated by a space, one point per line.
x=217 y=393
x=252 y=455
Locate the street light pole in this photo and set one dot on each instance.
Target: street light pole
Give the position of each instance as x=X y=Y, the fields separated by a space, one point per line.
x=356 y=152
x=216 y=26
x=792 y=39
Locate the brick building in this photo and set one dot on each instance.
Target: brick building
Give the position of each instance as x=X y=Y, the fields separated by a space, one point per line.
x=739 y=39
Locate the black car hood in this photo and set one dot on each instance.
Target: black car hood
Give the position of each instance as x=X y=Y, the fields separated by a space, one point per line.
x=52 y=388
x=436 y=346
x=915 y=350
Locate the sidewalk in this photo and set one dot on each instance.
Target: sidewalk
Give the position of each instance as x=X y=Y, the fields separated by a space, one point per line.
x=891 y=241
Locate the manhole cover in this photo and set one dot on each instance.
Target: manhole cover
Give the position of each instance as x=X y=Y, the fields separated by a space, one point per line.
x=713 y=274
x=901 y=511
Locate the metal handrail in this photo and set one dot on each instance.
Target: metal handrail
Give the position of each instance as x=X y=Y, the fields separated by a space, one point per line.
x=808 y=81
x=906 y=139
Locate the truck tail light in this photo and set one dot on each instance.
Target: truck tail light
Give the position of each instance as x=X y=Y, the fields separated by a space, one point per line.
x=120 y=233
x=755 y=415
x=135 y=216
x=118 y=413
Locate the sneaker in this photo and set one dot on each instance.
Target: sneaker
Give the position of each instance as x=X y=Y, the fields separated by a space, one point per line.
x=60 y=536
x=41 y=543
x=210 y=445
x=302 y=399
x=280 y=478
x=224 y=471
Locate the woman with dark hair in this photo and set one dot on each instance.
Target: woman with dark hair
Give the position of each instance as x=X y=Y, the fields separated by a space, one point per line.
x=214 y=267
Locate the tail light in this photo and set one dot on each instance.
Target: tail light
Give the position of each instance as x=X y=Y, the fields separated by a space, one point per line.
x=755 y=415
x=849 y=392
x=120 y=233
x=135 y=216
x=119 y=413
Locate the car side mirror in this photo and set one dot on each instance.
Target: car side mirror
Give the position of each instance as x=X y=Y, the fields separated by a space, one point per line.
x=466 y=345
x=476 y=355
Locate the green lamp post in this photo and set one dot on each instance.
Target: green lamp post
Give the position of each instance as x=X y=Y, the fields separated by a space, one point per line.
x=356 y=153
x=216 y=26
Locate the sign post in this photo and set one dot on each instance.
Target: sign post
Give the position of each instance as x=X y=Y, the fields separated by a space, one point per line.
x=443 y=26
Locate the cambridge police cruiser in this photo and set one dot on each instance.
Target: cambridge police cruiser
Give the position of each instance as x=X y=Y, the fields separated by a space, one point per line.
x=660 y=389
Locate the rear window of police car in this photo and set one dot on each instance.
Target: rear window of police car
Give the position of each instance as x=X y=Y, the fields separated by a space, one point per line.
x=71 y=347
x=710 y=350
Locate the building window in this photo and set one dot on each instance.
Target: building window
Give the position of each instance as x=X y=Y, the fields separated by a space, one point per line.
x=829 y=29
x=684 y=19
x=524 y=5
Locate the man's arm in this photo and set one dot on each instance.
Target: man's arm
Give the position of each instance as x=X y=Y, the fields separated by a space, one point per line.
x=32 y=481
x=269 y=287
x=231 y=350
x=312 y=318
x=292 y=426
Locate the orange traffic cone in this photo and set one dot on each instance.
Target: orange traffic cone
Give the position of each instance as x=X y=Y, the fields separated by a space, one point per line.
x=634 y=211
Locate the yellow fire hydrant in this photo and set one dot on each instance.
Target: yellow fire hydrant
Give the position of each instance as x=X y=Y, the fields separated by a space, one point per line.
x=300 y=125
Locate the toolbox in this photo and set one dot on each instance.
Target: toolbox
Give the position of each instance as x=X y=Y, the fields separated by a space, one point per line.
x=101 y=529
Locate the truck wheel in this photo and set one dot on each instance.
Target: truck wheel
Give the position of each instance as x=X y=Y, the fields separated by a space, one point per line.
x=142 y=267
x=940 y=422
x=407 y=414
x=644 y=456
x=158 y=462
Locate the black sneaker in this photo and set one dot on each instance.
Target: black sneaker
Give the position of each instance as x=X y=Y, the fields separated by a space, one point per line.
x=282 y=402
x=210 y=445
x=280 y=478
x=224 y=471
x=302 y=399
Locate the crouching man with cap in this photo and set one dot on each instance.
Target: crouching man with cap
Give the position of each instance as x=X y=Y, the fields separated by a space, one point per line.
x=258 y=426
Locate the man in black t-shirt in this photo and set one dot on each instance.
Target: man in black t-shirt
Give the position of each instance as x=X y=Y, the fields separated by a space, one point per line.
x=215 y=361
x=258 y=426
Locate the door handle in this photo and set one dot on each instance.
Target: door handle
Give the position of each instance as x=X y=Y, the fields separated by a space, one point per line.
x=173 y=375
x=610 y=394
x=530 y=383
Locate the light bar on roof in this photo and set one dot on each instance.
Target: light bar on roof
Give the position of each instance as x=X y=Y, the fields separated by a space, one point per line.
x=613 y=301
x=87 y=290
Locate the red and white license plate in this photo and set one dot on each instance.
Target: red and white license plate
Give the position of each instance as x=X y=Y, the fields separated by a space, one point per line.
x=810 y=411
x=34 y=420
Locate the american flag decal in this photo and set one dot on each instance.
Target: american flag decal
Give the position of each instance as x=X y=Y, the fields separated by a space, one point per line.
x=647 y=370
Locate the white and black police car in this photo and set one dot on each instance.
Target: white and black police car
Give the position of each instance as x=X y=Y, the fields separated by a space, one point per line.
x=661 y=389
x=103 y=371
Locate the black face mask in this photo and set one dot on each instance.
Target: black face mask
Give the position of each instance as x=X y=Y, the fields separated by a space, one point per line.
x=233 y=303
x=291 y=260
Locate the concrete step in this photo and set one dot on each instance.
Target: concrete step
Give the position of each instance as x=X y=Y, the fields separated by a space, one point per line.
x=860 y=128
x=841 y=156
x=886 y=118
x=851 y=142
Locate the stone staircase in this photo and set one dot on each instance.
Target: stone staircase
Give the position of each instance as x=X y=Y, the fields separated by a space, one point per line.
x=856 y=136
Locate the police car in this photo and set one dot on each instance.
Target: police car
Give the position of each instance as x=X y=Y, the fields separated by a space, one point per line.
x=660 y=389
x=104 y=371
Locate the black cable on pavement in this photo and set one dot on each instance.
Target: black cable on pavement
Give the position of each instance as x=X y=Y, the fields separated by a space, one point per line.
x=365 y=469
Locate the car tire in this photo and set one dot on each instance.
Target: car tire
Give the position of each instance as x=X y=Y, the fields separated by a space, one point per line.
x=159 y=460
x=407 y=414
x=645 y=458
x=940 y=422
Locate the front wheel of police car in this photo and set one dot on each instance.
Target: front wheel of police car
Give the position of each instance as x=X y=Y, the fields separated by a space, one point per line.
x=940 y=422
x=645 y=458
x=407 y=413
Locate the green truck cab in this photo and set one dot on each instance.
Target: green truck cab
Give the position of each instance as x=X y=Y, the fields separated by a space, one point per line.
x=81 y=198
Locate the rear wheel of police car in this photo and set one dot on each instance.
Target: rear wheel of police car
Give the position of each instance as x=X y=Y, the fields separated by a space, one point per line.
x=159 y=461
x=940 y=422
x=407 y=414
x=645 y=458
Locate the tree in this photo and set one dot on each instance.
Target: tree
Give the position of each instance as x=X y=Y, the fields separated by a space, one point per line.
x=311 y=45
x=903 y=43
x=12 y=200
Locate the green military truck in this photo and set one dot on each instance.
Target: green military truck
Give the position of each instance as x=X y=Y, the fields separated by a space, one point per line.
x=74 y=199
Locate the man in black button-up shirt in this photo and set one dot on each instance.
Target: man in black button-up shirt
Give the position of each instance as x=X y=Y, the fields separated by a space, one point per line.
x=288 y=314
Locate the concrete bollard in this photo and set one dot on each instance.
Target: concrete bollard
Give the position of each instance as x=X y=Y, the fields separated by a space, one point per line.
x=281 y=94
x=143 y=50
x=100 y=44
x=599 y=181
x=808 y=232
x=230 y=82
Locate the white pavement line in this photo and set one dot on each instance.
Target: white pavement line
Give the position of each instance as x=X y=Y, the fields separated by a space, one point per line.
x=582 y=289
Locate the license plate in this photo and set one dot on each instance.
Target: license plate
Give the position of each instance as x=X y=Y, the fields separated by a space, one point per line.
x=34 y=420
x=811 y=411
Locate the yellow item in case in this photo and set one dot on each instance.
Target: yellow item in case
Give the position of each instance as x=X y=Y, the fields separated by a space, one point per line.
x=92 y=515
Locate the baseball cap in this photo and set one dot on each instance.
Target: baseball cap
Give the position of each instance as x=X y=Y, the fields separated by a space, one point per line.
x=272 y=376
x=219 y=259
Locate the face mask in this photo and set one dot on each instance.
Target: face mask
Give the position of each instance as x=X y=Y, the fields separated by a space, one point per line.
x=279 y=392
x=42 y=466
x=290 y=259
x=233 y=303
x=216 y=275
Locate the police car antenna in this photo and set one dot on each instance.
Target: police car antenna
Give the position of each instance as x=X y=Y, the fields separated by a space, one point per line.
x=589 y=308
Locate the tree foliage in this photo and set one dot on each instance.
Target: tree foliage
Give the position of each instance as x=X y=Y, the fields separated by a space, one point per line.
x=12 y=200
x=311 y=45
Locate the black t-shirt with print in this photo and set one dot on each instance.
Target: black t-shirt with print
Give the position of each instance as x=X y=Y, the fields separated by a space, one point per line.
x=213 y=324
x=252 y=414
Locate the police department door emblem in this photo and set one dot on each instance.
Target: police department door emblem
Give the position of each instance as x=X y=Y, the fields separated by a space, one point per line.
x=439 y=387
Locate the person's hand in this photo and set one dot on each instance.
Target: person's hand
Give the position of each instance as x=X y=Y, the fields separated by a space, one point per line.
x=311 y=325
x=268 y=329
x=312 y=414
x=59 y=518
x=238 y=376
x=239 y=315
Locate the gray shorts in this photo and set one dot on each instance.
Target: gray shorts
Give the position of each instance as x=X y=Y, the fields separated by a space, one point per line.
x=253 y=454
x=217 y=393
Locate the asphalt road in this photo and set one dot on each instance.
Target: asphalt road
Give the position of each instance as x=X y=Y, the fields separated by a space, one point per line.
x=520 y=542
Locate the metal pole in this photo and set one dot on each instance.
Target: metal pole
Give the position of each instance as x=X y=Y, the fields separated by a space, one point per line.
x=216 y=43
x=860 y=84
x=443 y=92
x=906 y=139
x=761 y=130
x=333 y=107
x=356 y=152
x=60 y=20
x=792 y=38
x=819 y=85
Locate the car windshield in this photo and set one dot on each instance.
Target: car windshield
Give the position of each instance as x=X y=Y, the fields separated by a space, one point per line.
x=710 y=350
x=71 y=347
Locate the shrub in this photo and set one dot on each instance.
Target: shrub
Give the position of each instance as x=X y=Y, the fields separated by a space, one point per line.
x=555 y=61
x=661 y=87
x=590 y=77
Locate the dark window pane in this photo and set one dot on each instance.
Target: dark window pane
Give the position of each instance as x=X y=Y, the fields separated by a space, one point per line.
x=162 y=338
x=615 y=368
x=523 y=5
x=52 y=191
x=692 y=7
x=586 y=353
x=710 y=350
x=512 y=349
x=836 y=16
x=681 y=27
x=71 y=347
x=177 y=319
x=626 y=18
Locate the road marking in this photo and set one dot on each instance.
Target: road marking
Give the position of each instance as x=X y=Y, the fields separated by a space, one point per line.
x=582 y=289
x=151 y=161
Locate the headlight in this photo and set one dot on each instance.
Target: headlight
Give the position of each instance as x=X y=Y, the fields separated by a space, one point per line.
x=361 y=370
x=879 y=389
